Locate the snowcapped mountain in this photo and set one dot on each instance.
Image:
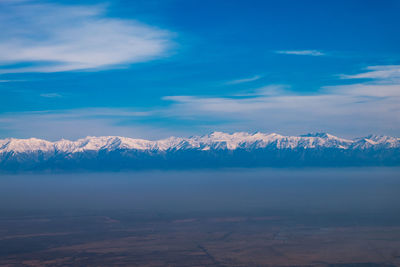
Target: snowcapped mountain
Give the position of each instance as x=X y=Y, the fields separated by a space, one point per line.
x=215 y=149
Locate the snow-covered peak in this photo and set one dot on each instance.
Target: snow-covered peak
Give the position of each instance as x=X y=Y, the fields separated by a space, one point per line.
x=213 y=141
x=377 y=141
x=25 y=145
x=321 y=135
x=103 y=143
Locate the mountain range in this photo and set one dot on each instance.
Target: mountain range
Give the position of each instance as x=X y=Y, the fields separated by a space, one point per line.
x=217 y=149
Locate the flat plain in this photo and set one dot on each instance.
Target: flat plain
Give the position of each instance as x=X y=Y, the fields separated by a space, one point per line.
x=322 y=218
x=128 y=238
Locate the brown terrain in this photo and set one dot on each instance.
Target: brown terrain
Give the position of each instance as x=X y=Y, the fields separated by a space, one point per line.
x=144 y=239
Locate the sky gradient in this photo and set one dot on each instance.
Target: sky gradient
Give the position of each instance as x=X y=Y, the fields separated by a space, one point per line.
x=151 y=69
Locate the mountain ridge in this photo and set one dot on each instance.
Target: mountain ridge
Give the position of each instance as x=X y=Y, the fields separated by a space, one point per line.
x=217 y=149
x=214 y=140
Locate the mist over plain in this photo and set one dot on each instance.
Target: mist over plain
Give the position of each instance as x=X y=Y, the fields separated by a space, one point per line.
x=325 y=190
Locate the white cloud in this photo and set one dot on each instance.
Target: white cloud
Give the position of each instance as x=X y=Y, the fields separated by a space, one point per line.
x=269 y=90
x=245 y=80
x=301 y=52
x=349 y=110
x=43 y=37
x=10 y=81
x=355 y=109
x=388 y=73
x=51 y=95
x=377 y=90
x=78 y=123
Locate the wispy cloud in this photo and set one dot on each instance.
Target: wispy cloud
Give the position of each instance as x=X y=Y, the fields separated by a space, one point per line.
x=346 y=109
x=77 y=123
x=10 y=81
x=268 y=90
x=354 y=109
x=301 y=52
x=51 y=95
x=388 y=73
x=44 y=37
x=245 y=80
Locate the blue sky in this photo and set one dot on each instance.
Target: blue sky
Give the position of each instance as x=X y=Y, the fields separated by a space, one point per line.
x=152 y=69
